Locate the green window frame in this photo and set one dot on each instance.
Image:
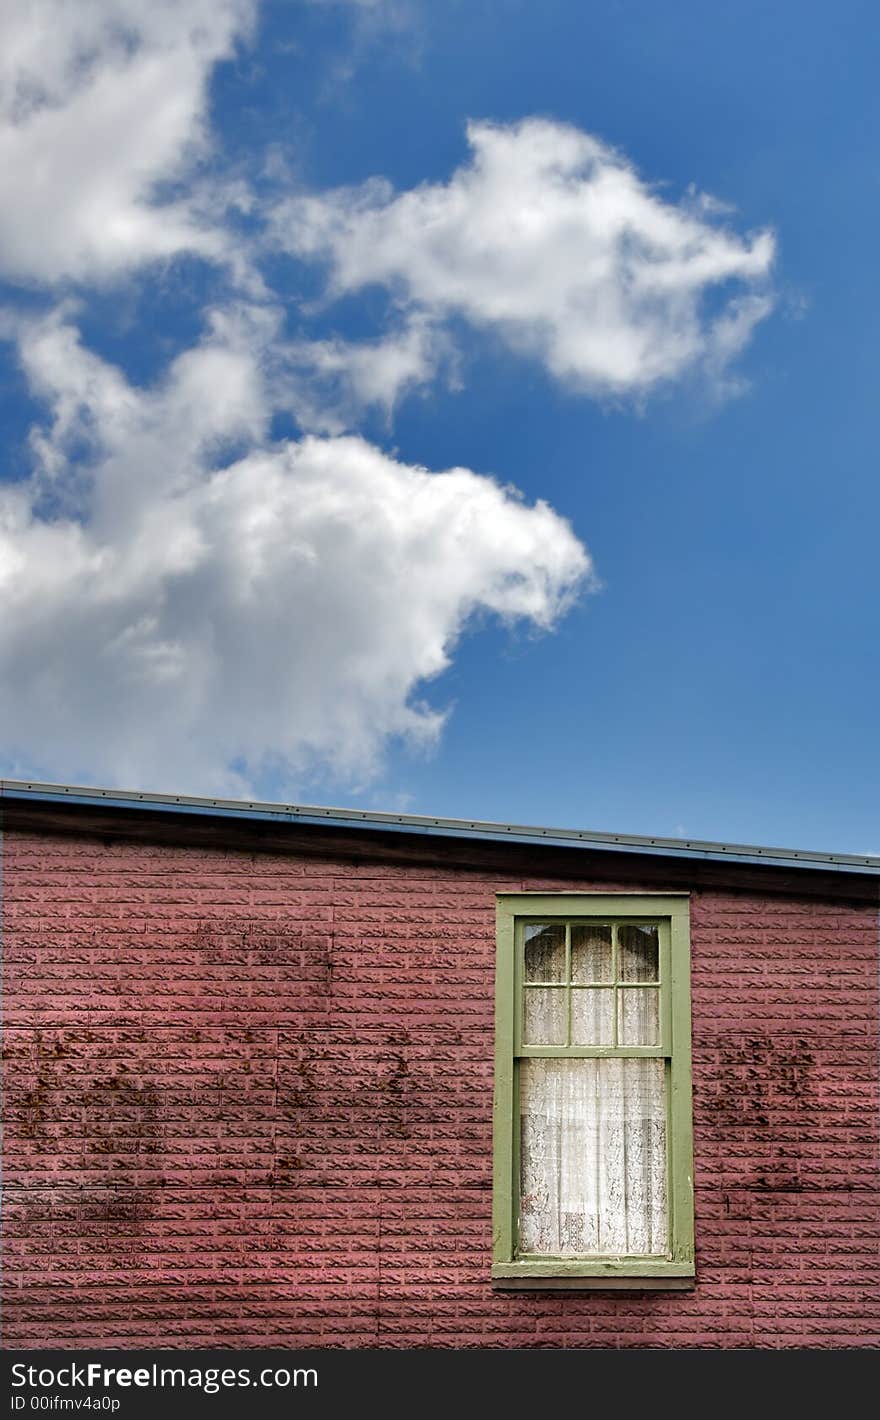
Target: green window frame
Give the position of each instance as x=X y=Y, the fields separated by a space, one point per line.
x=608 y=912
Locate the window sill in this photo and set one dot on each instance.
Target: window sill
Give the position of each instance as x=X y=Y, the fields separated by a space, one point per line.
x=592 y=1276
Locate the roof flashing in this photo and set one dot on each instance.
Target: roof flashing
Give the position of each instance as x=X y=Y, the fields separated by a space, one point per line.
x=258 y=811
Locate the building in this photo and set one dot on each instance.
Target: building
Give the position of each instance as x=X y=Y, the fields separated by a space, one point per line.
x=249 y=1054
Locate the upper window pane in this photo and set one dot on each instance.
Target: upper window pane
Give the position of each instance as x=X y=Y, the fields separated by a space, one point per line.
x=544 y=951
x=590 y=953
x=592 y=1017
x=638 y=954
x=545 y=1016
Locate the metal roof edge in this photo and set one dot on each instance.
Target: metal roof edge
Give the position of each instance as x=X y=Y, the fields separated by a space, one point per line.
x=20 y=789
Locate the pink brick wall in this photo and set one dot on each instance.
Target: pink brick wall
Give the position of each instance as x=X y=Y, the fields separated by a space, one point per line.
x=248 y=1103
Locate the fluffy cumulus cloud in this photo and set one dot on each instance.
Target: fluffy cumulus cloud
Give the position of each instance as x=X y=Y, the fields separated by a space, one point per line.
x=102 y=113
x=551 y=239
x=206 y=624
x=329 y=383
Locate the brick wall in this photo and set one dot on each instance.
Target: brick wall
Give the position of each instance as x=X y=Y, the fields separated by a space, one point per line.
x=248 y=1103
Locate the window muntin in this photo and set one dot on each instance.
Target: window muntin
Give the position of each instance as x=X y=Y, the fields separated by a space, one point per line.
x=593 y=1145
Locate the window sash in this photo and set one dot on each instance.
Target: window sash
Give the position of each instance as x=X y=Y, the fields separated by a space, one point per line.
x=612 y=1212
x=670 y=911
x=664 y=1047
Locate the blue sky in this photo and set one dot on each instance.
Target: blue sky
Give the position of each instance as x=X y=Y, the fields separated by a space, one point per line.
x=269 y=271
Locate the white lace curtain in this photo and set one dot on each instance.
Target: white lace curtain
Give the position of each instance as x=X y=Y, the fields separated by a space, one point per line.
x=593 y=1156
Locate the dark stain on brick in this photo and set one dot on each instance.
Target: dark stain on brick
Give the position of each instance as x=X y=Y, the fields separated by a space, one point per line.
x=755 y=1075
x=121 y=1128
x=130 y=1207
x=121 y=1119
x=33 y=1111
x=394 y=1084
x=398 y=1073
x=35 y=1103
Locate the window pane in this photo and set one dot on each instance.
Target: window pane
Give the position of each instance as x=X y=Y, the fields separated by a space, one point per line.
x=544 y=952
x=638 y=1021
x=544 y=1016
x=590 y=953
x=638 y=954
x=593 y=1157
x=592 y=1017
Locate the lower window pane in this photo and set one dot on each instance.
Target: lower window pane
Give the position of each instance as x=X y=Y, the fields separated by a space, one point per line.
x=593 y=1157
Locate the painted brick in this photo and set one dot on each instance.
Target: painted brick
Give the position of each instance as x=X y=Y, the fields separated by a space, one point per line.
x=248 y=1103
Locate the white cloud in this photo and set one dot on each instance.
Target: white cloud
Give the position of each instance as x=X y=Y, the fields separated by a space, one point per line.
x=550 y=238
x=101 y=103
x=331 y=382
x=170 y=622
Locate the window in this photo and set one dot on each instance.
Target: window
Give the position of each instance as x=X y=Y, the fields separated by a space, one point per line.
x=593 y=1147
